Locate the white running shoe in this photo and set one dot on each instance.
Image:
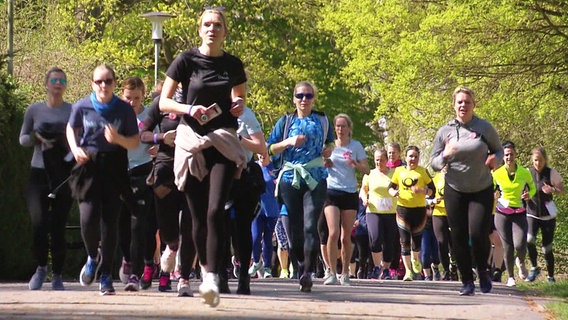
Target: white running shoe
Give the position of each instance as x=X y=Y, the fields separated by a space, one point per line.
x=209 y=289
x=511 y=282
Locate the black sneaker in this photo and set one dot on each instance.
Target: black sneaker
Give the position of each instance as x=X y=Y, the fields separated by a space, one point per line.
x=306 y=283
x=497 y=275
x=468 y=289
x=485 y=282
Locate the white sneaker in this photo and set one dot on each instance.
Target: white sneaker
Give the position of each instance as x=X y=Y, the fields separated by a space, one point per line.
x=267 y=274
x=256 y=266
x=331 y=279
x=184 y=290
x=344 y=280
x=511 y=282
x=168 y=260
x=209 y=289
x=326 y=274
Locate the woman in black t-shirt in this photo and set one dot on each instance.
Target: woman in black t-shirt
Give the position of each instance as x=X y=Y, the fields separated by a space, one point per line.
x=208 y=154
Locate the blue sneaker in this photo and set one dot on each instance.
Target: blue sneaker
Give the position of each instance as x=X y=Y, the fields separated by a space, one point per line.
x=105 y=286
x=533 y=274
x=376 y=273
x=468 y=289
x=89 y=272
x=386 y=274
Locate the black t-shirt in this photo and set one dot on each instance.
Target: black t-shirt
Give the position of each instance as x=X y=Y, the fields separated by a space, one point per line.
x=206 y=80
x=166 y=122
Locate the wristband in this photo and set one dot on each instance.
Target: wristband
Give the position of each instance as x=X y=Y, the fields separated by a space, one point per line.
x=189 y=110
x=155 y=138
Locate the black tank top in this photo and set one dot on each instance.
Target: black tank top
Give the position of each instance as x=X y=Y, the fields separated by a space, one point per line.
x=537 y=206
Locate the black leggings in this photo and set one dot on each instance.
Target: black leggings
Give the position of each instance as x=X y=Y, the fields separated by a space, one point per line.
x=206 y=201
x=442 y=232
x=383 y=234
x=469 y=217
x=48 y=218
x=547 y=227
x=512 y=229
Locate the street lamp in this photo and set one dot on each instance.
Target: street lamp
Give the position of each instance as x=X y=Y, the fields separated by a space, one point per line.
x=157 y=19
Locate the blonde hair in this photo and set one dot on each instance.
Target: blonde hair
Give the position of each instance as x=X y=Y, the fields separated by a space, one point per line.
x=347 y=119
x=308 y=84
x=465 y=90
x=218 y=12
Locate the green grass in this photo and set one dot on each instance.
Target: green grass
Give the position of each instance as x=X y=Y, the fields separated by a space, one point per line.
x=558 y=306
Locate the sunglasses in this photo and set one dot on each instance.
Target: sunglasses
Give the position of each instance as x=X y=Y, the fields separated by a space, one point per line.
x=300 y=96
x=108 y=81
x=63 y=81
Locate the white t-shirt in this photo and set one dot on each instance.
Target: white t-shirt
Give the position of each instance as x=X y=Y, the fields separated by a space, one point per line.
x=248 y=125
x=342 y=176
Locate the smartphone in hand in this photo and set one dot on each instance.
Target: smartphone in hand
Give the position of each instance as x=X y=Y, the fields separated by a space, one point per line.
x=212 y=112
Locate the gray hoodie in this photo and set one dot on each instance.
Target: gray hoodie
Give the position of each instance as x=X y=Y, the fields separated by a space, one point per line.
x=474 y=140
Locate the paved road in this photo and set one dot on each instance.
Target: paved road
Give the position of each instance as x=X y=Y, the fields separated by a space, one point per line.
x=273 y=299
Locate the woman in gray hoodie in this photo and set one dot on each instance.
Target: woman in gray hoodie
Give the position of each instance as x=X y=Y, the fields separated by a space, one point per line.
x=471 y=148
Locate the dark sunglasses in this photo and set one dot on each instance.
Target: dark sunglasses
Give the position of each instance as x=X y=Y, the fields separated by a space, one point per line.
x=300 y=96
x=108 y=81
x=63 y=81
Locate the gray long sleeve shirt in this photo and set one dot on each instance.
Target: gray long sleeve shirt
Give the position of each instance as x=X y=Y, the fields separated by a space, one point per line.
x=474 y=141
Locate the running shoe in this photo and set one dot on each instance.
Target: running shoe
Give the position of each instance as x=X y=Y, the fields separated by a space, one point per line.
x=125 y=271
x=407 y=276
x=533 y=274
x=361 y=274
x=105 y=287
x=38 y=278
x=209 y=290
x=497 y=275
x=386 y=274
x=344 y=280
x=306 y=283
x=183 y=288
x=550 y=279
x=427 y=278
x=146 y=280
x=326 y=274
x=164 y=283
x=332 y=279
x=89 y=272
x=284 y=274
x=446 y=276
x=376 y=273
x=436 y=271
x=468 y=289
x=57 y=282
x=256 y=267
x=485 y=284
x=168 y=260
x=267 y=273
x=393 y=274
x=416 y=266
x=133 y=283
x=511 y=282
x=236 y=267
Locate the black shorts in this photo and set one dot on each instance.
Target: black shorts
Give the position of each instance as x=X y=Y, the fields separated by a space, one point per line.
x=341 y=199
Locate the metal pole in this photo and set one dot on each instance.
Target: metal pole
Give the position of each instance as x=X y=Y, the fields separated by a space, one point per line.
x=10 y=37
x=156 y=60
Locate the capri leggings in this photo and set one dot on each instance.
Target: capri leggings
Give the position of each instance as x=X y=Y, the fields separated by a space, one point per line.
x=411 y=222
x=547 y=227
x=281 y=236
x=383 y=234
x=512 y=229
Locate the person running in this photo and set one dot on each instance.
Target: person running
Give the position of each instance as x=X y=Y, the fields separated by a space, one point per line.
x=515 y=186
x=542 y=212
x=397 y=270
x=282 y=241
x=430 y=254
x=411 y=184
x=302 y=139
x=172 y=214
x=381 y=215
x=47 y=195
x=101 y=129
x=470 y=147
x=208 y=154
x=136 y=223
x=342 y=200
x=264 y=223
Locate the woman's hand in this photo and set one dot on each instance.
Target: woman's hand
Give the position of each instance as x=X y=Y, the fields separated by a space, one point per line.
x=297 y=141
x=169 y=137
x=81 y=157
x=238 y=107
x=46 y=143
x=491 y=162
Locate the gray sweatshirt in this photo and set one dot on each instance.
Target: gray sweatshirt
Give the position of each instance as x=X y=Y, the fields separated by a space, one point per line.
x=474 y=140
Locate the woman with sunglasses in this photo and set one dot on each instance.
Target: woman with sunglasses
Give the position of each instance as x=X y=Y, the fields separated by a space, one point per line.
x=470 y=147
x=48 y=195
x=541 y=212
x=411 y=184
x=515 y=186
x=301 y=140
x=101 y=129
x=208 y=153
x=342 y=201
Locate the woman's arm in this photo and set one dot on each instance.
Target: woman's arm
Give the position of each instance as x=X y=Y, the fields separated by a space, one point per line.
x=80 y=155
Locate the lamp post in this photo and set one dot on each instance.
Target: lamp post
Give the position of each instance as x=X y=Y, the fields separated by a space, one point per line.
x=157 y=19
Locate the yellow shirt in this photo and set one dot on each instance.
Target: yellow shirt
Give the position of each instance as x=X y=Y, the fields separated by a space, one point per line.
x=439 y=181
x=377 y=184
x=405 y=179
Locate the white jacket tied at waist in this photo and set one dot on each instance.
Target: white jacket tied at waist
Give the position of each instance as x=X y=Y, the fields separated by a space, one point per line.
x=189 y=146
